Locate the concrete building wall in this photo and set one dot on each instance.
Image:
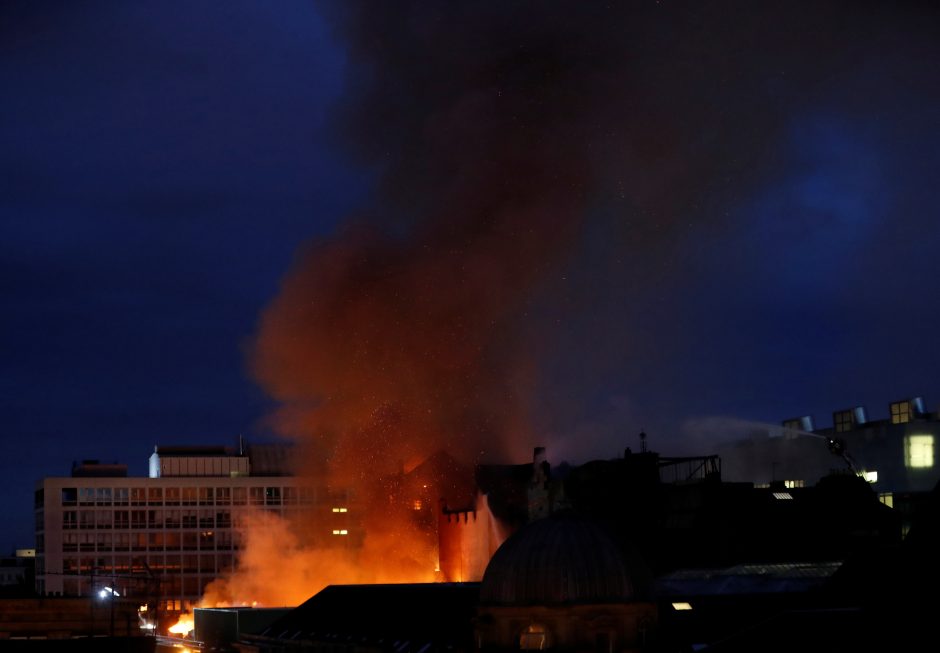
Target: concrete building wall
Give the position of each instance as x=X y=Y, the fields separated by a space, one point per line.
x=164 y=537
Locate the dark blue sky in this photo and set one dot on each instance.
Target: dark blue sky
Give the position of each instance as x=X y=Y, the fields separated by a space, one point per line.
x=767 y=249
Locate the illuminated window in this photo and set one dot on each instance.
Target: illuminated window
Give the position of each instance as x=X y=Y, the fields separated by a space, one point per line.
x=681 y=605
x=792 y=484
x=901 y=412
x=887 y=498
x=343 y=531
x=871 y=477
x=534 y=638
x=782 y=495
x=418 y=504
x=340 y=510
x=918 y=451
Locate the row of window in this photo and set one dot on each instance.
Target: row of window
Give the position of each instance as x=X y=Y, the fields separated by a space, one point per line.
x=170 y=564
x=172 y=541
x=157 y=518
x=188 y=588
x=188 y=496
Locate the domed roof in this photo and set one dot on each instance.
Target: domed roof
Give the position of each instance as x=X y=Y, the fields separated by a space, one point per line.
x=557 y=560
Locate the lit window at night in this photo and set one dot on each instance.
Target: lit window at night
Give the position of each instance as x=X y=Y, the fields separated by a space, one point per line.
x=792 y=484
x=782 y=495
x=901 y=412
x=681 y=605
x=340 y=531
x=887 y=498
x=418 y=504
x=871 y=477
x=918 y=451
x=340 y=510
x=534 y=638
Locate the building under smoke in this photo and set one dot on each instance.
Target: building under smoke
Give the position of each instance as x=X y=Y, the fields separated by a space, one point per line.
x=638 y=553
x=657 y=506
x=164 y=538
x=895 y=454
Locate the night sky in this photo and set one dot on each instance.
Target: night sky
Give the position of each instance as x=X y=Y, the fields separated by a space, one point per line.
x=594 y=220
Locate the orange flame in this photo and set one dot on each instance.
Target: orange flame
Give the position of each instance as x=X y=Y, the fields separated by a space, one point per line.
x=184 y=625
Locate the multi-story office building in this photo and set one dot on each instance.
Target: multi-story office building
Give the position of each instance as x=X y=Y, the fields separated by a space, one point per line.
x=165 y=537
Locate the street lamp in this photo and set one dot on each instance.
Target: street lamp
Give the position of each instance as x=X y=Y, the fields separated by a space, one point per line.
x=105 y=593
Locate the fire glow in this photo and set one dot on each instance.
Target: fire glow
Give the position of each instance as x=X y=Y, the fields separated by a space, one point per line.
x=283 y=562
x=184 y=626
x=384 y=346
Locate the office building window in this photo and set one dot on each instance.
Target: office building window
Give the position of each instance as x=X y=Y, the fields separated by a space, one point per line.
x=901 y=412
x=918 y=451
x=69 y=496
x=86 y=496
x=842 y=421
x=534 y=638
x=122 y=541
x=290 y=495
x=70 y=542
x=272 y=496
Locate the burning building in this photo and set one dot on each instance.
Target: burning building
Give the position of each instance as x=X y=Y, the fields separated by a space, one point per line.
x=642 y=552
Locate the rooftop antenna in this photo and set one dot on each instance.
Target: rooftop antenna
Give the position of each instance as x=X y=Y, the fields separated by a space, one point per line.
x=643 y=441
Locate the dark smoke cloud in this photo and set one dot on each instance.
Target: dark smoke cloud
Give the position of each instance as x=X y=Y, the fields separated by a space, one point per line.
x=532 y=160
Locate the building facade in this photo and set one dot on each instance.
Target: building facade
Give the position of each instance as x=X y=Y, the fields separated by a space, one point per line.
x=165 y=537
x=897 y=454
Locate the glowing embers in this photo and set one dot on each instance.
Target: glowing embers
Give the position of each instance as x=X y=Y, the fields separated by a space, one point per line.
x=918 y=451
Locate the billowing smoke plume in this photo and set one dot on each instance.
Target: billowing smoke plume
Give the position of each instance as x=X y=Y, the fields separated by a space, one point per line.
x=495 y=129
x=506 y=139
